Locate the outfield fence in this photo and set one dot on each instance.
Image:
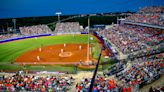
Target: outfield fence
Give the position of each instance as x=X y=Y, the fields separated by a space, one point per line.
x=23 y=37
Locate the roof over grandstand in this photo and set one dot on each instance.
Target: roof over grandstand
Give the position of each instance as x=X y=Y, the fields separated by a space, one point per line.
x=31 y=8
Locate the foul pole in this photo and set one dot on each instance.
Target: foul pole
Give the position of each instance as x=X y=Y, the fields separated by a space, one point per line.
x=88 y=51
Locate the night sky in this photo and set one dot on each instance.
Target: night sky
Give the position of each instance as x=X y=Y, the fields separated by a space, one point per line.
x=29 y=8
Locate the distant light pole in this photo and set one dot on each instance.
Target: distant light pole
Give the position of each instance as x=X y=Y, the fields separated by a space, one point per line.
x=58 y=13
x=14 y=24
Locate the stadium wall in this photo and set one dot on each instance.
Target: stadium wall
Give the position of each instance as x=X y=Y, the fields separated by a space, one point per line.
x=30 y=36
x=106 y=44
x=24 y=37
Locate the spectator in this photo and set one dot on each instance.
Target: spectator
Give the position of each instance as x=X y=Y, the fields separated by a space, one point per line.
x=67 y=28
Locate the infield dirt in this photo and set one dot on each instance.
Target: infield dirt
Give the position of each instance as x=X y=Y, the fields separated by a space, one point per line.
x=51 y=55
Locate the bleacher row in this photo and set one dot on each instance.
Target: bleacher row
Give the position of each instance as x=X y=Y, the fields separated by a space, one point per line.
x=149 y=15
x=33 y=30
x=34 y=83
x=131 y=38
x=67 y=28
x=144 y=47
x=61 y=28
x=159 y=9
x=143 y=71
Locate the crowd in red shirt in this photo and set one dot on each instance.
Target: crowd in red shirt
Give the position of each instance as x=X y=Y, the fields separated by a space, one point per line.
x=23 y=83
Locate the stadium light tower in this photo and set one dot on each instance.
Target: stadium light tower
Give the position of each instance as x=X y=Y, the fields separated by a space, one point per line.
x=58 y=13
x=14 y=24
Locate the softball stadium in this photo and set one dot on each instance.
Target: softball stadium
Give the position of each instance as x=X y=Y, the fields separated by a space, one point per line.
x=110 y=52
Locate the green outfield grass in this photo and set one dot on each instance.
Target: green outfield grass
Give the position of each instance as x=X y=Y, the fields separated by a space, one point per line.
x=11 y=50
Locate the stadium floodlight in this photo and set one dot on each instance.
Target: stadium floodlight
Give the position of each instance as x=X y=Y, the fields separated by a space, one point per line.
x=58 y=13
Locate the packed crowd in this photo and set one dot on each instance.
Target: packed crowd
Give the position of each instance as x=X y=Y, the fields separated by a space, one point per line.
x=150 y=51
x=159 y=9
x=28 y=30
x=26 y=83
x=118 y=67
x=149 y=15
x=67 y=28
x=61 y=28
x=154 y=19
x=131 y=38
x=34 y=30
x=148 y=42
x=7 y=36
x=156 y=89
x=102 y=84
x=143 y=71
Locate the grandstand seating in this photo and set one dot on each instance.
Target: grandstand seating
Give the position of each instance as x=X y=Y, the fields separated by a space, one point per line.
x=116 y=68
x=33 y=30
x=152 y=9
x=24 y=83
x=144 y=70
x=149 y=15
x=147 y=42
x=156 y=89
x=102 y=84
x=7 y=36
x=131 y=38
x=146 y=66
x=28 y=31
x=67 y=28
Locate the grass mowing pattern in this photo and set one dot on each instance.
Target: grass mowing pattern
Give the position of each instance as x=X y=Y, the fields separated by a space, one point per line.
x=11 y=50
